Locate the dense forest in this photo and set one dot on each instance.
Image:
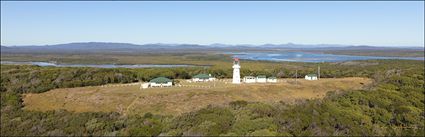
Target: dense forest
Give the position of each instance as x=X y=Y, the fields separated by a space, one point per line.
x=392 y=105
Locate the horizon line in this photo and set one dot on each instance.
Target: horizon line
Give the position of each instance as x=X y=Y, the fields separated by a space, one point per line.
x=211 y=44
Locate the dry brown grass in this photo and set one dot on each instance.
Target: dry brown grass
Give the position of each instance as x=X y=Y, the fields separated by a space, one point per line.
x=177 y=100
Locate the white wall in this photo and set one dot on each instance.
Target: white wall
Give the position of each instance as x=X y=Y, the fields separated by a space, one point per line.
x=251 y=80
x=202 y=80
x=272 y=80
x=169 y=84
x=144 y=85
x=196 y=79
x=310 y=78
x=261 y=80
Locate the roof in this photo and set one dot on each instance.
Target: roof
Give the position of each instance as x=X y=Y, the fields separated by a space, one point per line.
x=261 y=76
x=249 y=77
x=272 y=78
x=202 y=76
x=161 y=80
x=311 y=75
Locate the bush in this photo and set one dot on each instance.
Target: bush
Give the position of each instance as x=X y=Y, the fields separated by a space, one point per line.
x=238 y=104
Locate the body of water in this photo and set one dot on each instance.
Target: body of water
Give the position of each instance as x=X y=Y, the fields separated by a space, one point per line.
x=48 y=64
x=286 y=56
x=310 y=57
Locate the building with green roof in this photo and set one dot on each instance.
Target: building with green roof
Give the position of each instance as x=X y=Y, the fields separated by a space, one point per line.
x=161 y=82
x=272 y=79
x=202 y=78
x=249 y=79
x=261 y=79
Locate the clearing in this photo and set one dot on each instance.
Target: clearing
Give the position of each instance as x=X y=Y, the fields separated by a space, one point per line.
x=130 y=99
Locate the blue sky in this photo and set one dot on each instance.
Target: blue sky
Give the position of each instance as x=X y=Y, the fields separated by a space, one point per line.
x=351 y=23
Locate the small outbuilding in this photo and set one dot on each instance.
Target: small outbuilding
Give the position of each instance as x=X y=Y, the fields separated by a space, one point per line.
x=261 y=79
x=249 y=79
x=272 y=79
x=161 y=82
x=144 y=85
x=311 y=77
x=202 y=78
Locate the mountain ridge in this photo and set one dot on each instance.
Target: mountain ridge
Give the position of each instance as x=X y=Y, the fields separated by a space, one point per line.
x=161 y=47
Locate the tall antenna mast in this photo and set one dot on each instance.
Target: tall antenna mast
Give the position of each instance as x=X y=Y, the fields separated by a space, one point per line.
x=296 y=77
x=318 y=71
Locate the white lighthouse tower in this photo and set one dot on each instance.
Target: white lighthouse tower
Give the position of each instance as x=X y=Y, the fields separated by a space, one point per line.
x=236 y=72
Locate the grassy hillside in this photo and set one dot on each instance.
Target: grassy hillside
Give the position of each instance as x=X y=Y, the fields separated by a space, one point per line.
x=177 y=100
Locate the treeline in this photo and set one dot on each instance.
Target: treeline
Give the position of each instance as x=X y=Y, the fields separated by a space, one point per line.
x=24 y=78
x=394 y=106
x=34 y=79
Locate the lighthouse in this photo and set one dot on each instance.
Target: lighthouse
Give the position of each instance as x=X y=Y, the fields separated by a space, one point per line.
x=236 y=72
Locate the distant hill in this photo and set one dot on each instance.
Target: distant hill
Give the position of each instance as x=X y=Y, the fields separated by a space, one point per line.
x=102 y=47
x=332 y=47
x=99 y=47
x=363 y=47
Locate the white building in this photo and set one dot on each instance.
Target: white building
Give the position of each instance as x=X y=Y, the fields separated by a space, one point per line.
x=236 y=72
x=311 y=77
x=144 y=85
x=261 y=79
x=272 y=80
x=249 y=79
x=202 y=78
x=161 y=82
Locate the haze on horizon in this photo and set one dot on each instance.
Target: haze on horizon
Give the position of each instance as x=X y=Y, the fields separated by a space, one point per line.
x=346 y=23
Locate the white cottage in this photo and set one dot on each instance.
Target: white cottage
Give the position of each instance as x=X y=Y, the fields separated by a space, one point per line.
x=249 y=79
x=161 y=82
x=261 y=79
x=311 y=77
x=202 y=78
x=272 y=79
